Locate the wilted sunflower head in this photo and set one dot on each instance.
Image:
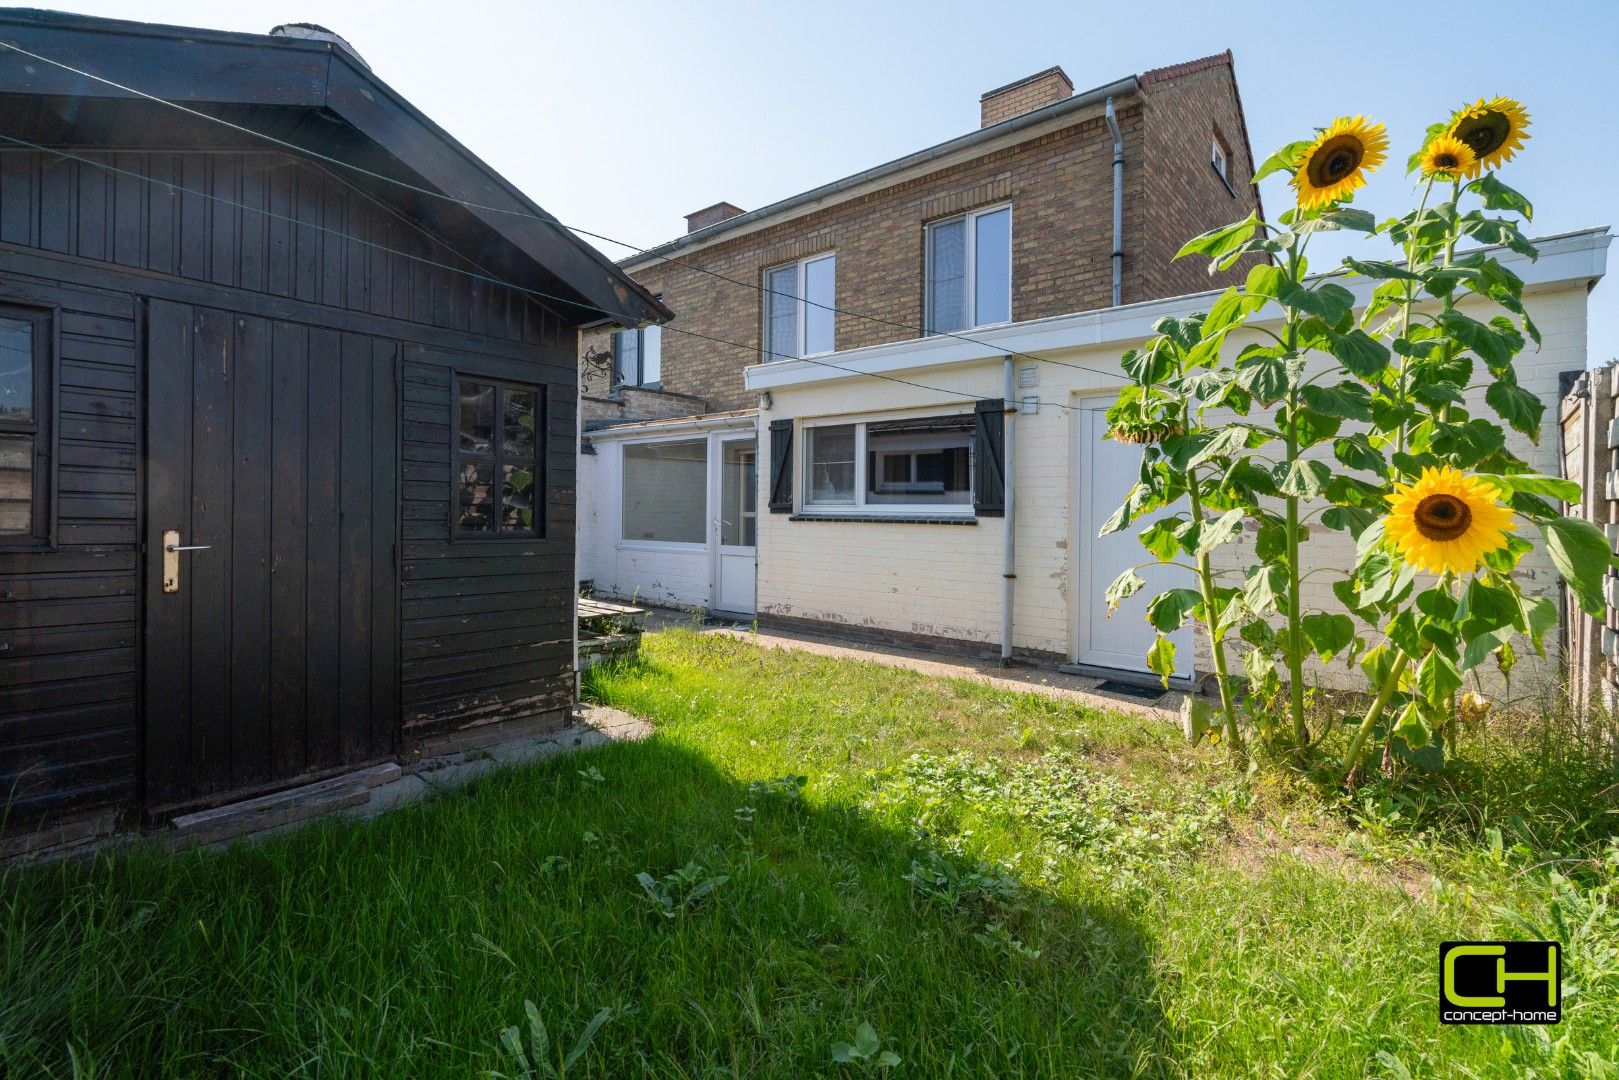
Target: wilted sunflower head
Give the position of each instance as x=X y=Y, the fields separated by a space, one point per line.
x=1446 y=158
x=1494 y=129
x=1447 y=520
x=1337 y=162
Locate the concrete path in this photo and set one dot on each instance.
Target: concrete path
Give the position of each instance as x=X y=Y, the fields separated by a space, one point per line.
x=1023 y=676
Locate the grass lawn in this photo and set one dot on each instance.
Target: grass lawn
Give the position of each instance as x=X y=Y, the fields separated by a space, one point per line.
x=998 y=884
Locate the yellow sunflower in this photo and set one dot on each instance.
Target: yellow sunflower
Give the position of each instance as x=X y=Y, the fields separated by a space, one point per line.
x=1447 y=158
x=1494 y=128
x=1337 y=162
x=1447 y=520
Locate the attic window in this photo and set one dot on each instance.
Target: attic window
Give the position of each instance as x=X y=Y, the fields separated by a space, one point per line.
x=1220 y=161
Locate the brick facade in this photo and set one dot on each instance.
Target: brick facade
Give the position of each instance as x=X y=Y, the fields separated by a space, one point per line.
x=1060 y=186
x=1026 y=95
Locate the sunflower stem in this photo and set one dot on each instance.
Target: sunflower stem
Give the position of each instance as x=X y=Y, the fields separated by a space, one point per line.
x=1295 y=617
x=1373 y=713
x=1211 y=617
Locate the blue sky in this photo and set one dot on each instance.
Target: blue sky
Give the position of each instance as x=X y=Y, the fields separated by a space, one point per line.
x=623 y=117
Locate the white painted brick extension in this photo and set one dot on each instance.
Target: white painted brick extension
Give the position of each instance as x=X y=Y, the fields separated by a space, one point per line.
x=945 y=580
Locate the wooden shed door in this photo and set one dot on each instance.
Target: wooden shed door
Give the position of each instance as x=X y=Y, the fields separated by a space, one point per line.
x=271 y=452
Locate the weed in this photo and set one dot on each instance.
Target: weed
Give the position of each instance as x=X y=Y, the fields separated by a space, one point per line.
x=676 y=893
x=866 y=1051
x=535 y=1060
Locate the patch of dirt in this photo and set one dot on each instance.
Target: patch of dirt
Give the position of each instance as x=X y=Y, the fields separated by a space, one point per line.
x=1247 y=850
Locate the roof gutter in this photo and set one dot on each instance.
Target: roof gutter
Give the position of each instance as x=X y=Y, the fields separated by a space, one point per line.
x=1088 y=99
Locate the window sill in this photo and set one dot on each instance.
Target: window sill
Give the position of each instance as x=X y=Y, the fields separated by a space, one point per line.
x=891 y=519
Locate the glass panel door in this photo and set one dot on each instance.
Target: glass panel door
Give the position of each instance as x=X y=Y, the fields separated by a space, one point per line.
x=739 y=494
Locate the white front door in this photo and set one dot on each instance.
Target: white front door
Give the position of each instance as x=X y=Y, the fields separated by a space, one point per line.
x=736 y=524
x=1104 y=473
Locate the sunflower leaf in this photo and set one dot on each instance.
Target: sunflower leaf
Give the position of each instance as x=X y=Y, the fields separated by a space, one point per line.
x=1517 y=407
x=1168 y=610
x=1582 y=556
x=1288 y=157
x=1161 y=658
x=1221 y=241
x=1385 y=271
x=1360 y=353
x=1329 y=634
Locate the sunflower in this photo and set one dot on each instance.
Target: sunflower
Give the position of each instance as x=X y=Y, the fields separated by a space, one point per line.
x=1447 y=520
x=1493 y=128
x=1338 y=161
x=1447 y=158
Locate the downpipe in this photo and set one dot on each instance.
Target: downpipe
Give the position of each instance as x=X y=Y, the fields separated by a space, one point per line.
x=1118 y=204
x=1009 y=552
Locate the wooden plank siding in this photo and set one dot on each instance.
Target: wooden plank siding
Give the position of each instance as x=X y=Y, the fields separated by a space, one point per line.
x=482 y=629
x=486 y=625
x=69 y=618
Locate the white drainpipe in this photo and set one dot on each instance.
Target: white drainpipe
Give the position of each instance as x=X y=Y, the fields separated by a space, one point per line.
x=1118 y=204
x=1009 y=557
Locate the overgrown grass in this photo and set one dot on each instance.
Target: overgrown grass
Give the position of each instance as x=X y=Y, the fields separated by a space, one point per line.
x=998 y=884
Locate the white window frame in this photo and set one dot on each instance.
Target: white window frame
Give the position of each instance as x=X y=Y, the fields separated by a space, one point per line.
x=970 y=278
x=801 y=266
x=1217 y=158
x=860 y=506
x=640 y=544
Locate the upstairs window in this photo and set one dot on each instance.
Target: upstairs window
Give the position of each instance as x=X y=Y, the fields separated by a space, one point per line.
x=969 y=271
x=25 y=441
x=499 y=456
x=1220 y=161
x=798 y=302
x=638 y=357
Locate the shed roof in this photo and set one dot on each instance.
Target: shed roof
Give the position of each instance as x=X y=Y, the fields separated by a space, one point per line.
x=318 y=97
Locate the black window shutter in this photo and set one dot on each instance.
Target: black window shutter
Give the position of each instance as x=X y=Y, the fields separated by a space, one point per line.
x=781 y=466
x=989 y=457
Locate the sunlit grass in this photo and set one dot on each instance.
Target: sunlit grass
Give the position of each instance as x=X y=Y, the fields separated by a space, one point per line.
x=999 y=884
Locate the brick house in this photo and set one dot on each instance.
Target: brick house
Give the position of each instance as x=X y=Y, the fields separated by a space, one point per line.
x=1059 y=203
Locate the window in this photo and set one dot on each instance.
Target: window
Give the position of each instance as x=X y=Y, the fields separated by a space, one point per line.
x=638 y=357
x=739 y=494
x=24 y=424
x=924 y=461
x=969 y=271
x=799 y=320
x=665 y=489
x=499 y=458
x=1220 y=161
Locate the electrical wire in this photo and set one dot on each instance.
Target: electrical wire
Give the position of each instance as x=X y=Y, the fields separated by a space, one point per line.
x=174 y=188
x=547 y=219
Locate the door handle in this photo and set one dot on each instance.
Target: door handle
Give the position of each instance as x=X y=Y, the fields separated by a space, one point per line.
x=171 y=558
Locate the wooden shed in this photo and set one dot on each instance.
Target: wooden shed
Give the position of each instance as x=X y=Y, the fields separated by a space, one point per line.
x=287 y=436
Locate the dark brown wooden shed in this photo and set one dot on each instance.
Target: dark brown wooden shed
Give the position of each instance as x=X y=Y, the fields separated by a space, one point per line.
x=286 y=437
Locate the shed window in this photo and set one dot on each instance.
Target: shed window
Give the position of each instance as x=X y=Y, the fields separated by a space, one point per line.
x=969 y=271
x=638 y=357
x=924 y=461
x=665 y=487
x=499 y=457
x=24 y=424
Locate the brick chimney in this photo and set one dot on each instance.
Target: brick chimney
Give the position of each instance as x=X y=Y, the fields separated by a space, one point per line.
x=710 y=215
x=1026 y=95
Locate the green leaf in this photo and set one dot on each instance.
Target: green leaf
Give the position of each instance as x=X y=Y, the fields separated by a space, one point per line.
x=1497 y=196
x=1356 y=452
x=1347 y=400
x=1582 y=556
x=1267 y=281
x=1517 y=407
x=1352 y=518
x=1483 y=340
x=1305 y=479
x=1217 y=531
x=1169 y=610
x=1227 y=441
x=1263 y=376
x=1437 y=677
x=1411 y=727
x=1288 y=157
x=1385 y=271
x=1329 y=302
x=1264 y=585
x=1161 y=658
x=1339 y=217
x=1551 y=487
x=1160 y=539
x=1124 y=586
x=1221 y=241
x=1359 y=352
x=1328 y=634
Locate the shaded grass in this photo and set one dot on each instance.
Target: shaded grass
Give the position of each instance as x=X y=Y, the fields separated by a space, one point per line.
x=1000 y=884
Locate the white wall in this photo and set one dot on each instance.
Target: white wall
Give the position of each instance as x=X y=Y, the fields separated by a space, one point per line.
x=945 y=580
